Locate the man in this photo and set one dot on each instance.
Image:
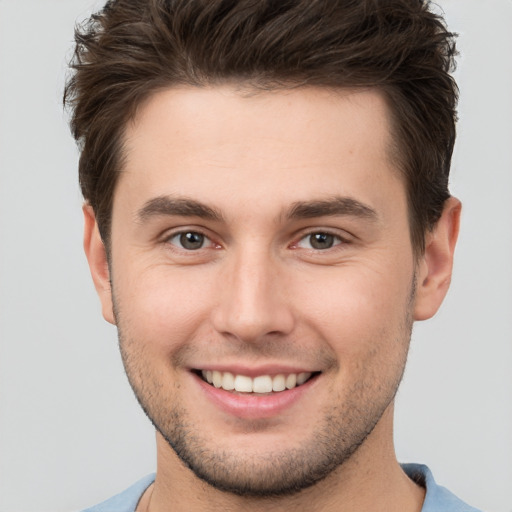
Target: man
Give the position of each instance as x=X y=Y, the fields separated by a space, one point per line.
x=266 y=215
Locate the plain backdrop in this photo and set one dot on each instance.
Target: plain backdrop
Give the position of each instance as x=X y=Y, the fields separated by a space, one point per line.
x=71 y=434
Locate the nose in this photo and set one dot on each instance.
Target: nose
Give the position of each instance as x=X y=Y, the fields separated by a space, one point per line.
x=254 y=301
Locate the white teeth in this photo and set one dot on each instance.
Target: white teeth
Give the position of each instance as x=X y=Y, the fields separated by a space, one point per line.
x=291 y=381
x=278 y=383
x=217 y=379
x=228 y=381
x=260 y=384
x=243 y=384
x=302 y=377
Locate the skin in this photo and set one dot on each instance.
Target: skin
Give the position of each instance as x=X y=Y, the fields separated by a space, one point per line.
x=269 y=170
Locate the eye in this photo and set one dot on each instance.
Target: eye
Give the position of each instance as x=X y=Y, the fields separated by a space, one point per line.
x=190 y=240
x=319 y=241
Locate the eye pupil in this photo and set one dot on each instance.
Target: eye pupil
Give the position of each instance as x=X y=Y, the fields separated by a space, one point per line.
x=321 y=240
x=191 y=240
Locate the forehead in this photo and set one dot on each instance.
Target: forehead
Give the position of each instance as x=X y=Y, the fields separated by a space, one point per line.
x=223 y=143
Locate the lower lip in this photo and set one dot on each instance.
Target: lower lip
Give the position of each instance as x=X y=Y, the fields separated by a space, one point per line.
x=254 y=406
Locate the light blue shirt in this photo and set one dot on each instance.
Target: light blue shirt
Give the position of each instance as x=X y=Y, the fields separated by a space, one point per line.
x=437 y=498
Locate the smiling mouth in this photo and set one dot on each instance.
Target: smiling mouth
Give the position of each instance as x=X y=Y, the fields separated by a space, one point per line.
x=261 y=384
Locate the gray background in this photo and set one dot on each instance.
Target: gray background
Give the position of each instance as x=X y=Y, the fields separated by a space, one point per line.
x=71 y=433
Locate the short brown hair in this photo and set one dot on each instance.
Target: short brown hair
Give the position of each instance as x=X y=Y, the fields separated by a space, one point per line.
x=132 y=48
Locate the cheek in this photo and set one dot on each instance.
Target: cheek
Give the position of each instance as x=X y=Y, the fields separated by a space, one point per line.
x=162 y=307
x=361 y=311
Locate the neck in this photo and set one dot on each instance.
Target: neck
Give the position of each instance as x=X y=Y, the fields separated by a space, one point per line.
x=370 y=480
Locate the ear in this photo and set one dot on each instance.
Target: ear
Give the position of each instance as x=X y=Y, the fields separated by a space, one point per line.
x=98 y=263
x=434 y=270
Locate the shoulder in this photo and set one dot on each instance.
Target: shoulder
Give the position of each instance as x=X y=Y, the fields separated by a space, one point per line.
x=437 y=498
x=125 y=501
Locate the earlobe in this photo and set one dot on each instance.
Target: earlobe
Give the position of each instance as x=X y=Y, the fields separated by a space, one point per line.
x=98 y=262
x=434 y=269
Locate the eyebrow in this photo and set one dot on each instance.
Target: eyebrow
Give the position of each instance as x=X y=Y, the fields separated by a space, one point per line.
x=185 y=207
x=334 y=206
x=168 y=206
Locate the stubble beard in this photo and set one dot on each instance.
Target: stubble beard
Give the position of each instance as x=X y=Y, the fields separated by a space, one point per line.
x=343 y=428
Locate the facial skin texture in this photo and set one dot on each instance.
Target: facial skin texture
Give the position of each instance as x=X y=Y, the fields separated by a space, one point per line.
x=268 y=170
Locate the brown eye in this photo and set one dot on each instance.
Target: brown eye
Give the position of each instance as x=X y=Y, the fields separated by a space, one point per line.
x=319 y=241
x=322 y=240
x=189 y=240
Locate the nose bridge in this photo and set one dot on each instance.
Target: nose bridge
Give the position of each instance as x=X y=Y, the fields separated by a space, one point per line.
x=253 y=301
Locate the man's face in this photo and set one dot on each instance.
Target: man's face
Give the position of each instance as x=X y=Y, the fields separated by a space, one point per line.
x=260 y=240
